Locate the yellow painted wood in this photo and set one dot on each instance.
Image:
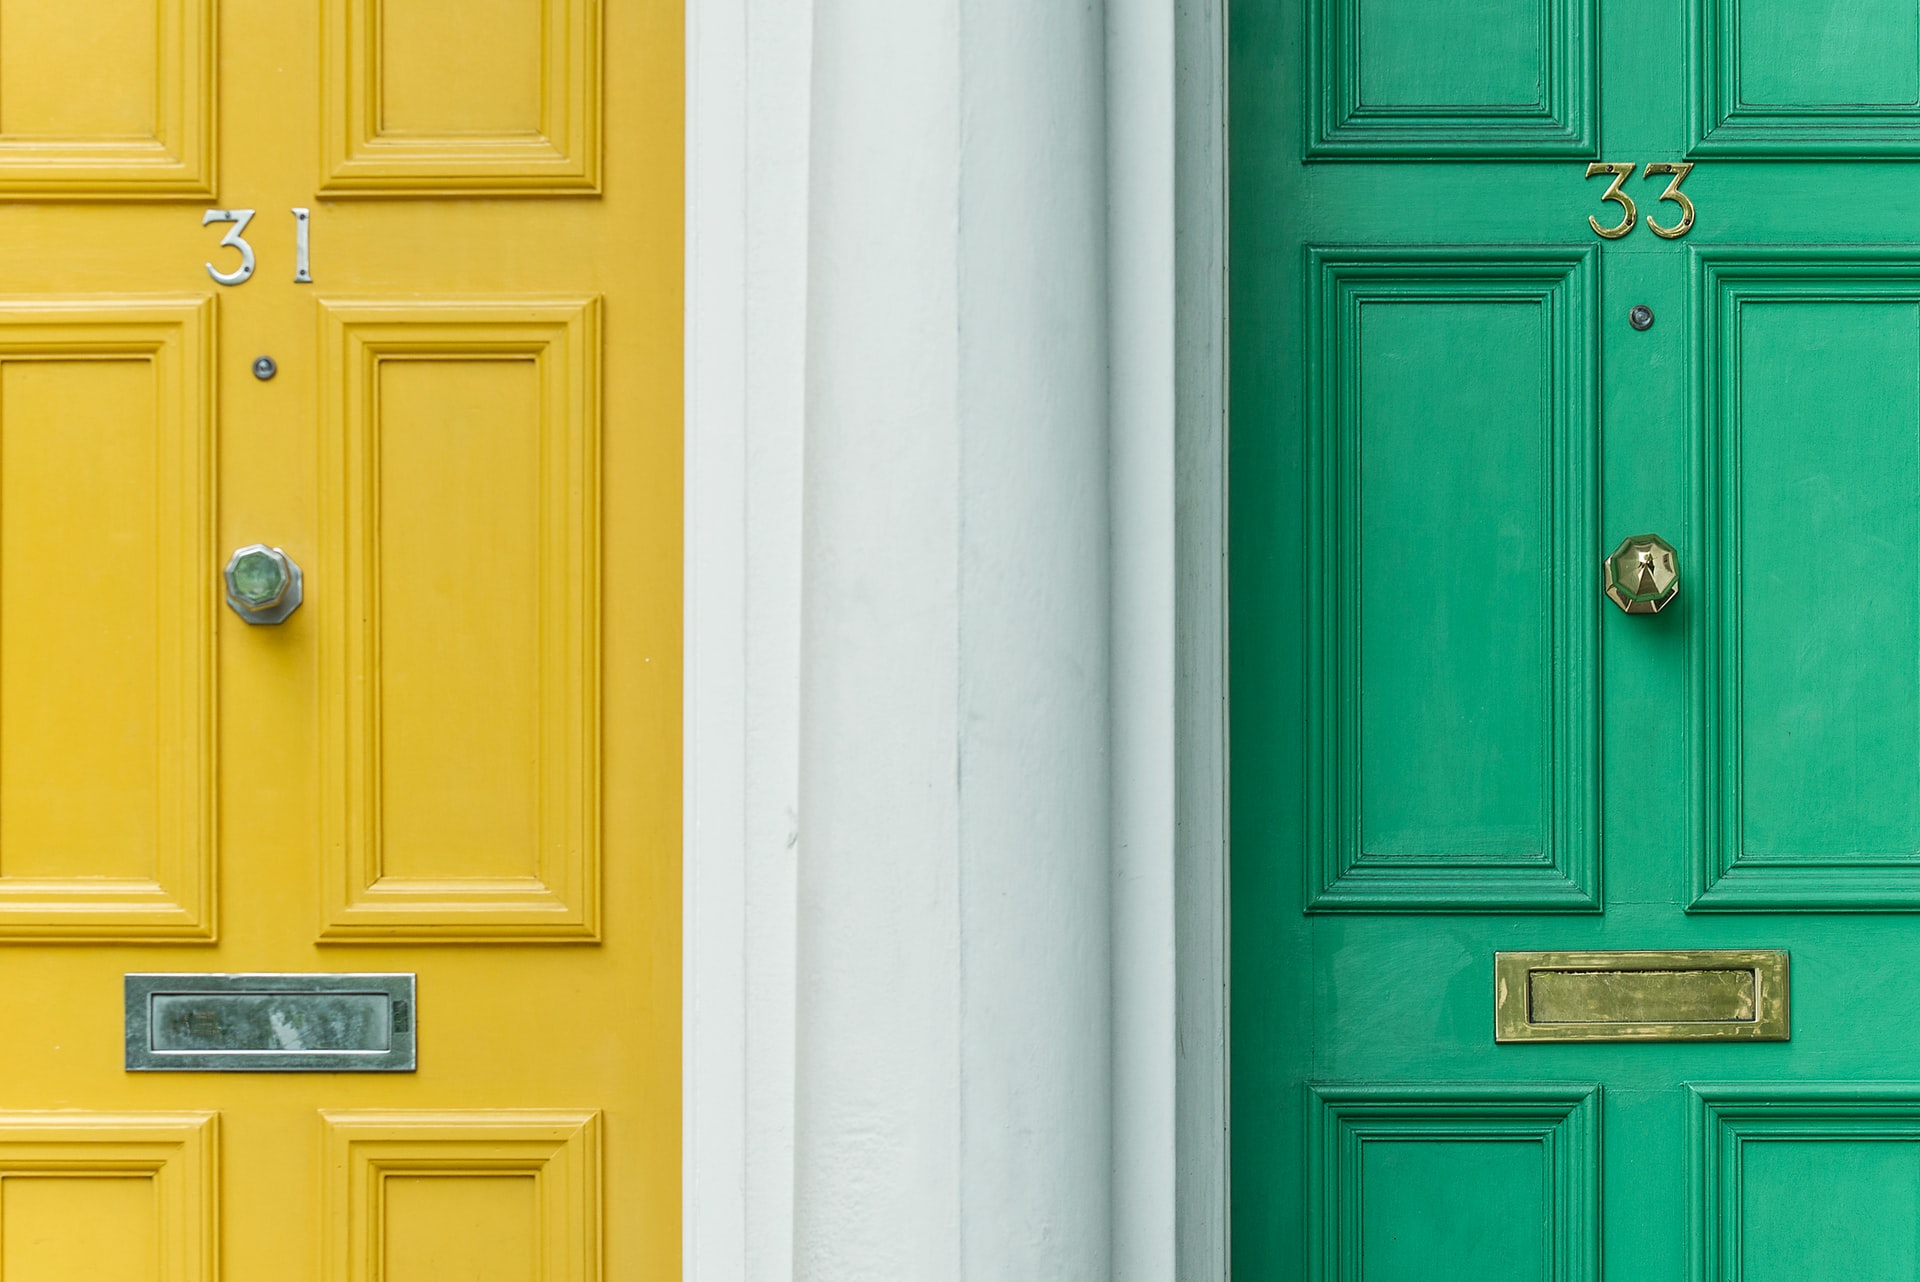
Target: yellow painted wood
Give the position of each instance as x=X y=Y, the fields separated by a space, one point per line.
x=459 y=508
x=106 y=529
x=110 y=101
x=481 y=1196
x=510 y=367
x=512 y=105
x=131 y=1196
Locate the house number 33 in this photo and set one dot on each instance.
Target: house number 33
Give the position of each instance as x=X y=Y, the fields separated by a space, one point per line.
x=236 y=239
x=1623 y=171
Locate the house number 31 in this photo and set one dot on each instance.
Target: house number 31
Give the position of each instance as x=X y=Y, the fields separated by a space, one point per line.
x=1622 y=171
x=236 y=239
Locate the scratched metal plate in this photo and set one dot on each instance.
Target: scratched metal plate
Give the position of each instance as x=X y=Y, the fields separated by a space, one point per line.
x=270 y=1023
x=1688 y=995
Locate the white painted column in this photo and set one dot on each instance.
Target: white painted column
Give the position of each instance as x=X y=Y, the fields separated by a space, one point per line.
x=955 y=763
x=1140 y=276
x=748 y=78
x=953 y=997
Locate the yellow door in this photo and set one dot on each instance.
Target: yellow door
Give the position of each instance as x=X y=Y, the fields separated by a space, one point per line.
x=458 y=758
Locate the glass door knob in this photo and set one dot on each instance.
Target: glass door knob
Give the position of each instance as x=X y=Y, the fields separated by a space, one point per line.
x=263 y=584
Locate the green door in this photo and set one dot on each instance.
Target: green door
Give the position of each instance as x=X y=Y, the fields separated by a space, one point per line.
x=1448 y=743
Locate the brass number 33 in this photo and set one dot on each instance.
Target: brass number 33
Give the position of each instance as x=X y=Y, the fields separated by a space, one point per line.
x=1623 y=171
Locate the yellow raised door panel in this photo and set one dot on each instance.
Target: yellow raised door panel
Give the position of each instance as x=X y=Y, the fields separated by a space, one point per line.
x=448 y=390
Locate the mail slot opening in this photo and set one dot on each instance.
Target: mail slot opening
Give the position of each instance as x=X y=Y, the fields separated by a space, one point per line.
x=270 y=1023
x=1681 y=996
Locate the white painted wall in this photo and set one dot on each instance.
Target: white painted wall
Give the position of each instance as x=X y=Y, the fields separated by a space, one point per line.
x=954 y=874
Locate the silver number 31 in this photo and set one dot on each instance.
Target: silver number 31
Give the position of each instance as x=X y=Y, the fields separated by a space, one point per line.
x=236 y=239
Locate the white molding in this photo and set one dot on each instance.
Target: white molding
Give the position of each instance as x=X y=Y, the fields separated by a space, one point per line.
x=1167 y=298
x=747 y=90
x=1202 y=871
x=713 y=922
x=749 y=96
x=1141 y=300
x=779 y=62
x=1168 y=304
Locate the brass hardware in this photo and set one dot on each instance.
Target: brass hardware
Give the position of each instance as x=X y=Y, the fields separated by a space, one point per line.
x=1680 y=996
x=1621 y=171
x=1679 y=170
x=1643 y=574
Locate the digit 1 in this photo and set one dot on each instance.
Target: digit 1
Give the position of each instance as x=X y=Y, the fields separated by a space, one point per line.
x=301 y=256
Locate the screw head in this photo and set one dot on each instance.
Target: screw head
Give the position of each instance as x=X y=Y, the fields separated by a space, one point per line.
x=264 y=368
x=1641 y=317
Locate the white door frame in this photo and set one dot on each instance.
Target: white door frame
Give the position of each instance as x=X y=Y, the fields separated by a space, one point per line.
x=749 y=86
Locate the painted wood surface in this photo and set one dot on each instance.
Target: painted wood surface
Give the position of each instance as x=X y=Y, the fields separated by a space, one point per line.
x=1445 y=743
x=459 y=758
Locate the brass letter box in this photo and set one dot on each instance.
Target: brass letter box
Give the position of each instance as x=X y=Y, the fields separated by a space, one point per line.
x=1687 y=996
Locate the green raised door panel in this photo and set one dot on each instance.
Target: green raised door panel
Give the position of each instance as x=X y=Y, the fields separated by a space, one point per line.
x=1808 y=77
x=1463 y=1185
x=1451 y=1210
x=1447 y=744
x=1426 y=503
x=1829 y=555
x=1454 y=498
x=1413 y=55
x=1805 y=1183
x=1410 y=78
x=1812 y=54
x=1810 y=529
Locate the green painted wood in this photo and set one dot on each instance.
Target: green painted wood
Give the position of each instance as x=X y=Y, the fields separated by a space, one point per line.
x=1408 y=78
x=1807 y=78
x=1486 y=673
x=1455 y=763
x=1809 y=484
x=1805 y=1183
x=1432 y=1185
x=1445 y=745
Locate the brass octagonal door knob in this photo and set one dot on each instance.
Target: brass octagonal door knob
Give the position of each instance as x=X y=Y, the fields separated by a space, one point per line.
x=263 y=584
x=1643 y=575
